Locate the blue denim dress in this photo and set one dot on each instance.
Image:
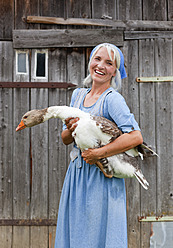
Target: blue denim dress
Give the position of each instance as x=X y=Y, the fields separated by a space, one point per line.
x=92 y=210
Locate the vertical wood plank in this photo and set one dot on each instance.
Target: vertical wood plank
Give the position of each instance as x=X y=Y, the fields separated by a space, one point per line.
x=170 y=10
x=130 y=92
x=76 y=66
x=129 y=10
x=39 y=237
x=164 y=126
x=21 y=167
x=23 y=9
x=52 y=8
x=78 y=9
x=57 y=150
x=104 y=9
x=6 y=19
x=147 y=123
x=6 y=236
x=21 y=237
x=39 y=154
x=52 y=233
x=155 y=10
x=6 y=144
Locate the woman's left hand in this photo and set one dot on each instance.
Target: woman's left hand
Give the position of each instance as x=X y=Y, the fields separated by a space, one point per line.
x=89 y=156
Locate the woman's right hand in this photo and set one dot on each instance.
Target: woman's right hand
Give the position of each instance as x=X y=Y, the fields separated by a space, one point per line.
x=67 y=133
x=71 y=123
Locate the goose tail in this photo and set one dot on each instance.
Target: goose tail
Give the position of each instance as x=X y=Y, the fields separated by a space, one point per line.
x=145 y=149
x=142 y=180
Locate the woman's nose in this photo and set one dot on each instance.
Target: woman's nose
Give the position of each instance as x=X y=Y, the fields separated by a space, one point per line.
x=101 y=65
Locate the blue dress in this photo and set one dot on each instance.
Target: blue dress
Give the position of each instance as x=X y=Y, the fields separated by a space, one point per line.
x=92 y=210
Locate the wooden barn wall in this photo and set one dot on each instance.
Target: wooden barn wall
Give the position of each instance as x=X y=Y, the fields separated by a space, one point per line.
x=33 y=162
x=152 y=105
x=13 y=13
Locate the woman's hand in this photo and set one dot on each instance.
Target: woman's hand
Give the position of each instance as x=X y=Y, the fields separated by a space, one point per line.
x=90 y=156
x=67 y=133
x=71 y=123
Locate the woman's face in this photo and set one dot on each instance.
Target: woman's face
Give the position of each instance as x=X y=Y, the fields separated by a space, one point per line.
x=102 y=68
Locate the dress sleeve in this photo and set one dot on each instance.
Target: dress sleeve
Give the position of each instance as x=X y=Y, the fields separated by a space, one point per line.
x=118 y=111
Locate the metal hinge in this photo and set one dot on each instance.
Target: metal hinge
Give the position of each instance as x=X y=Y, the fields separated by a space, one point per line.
x=155 y=218
x=154 y=79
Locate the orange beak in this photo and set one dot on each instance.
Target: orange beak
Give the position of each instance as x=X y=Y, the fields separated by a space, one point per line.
x=20 y=126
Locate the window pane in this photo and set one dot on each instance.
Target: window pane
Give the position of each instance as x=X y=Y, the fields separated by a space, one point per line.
x=22 y=62
x=40 y=72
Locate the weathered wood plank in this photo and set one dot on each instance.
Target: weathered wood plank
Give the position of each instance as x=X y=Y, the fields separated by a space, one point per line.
x=39 y=148
x=6 y=19
x=164 y=125
x=51 y=8
x=72 y=21
x=147 y=124
x=21 y=163
x=105 y=22
x=104 y=9
x=76 y=66
x=138 y=35
x=129 y=10
x=79 y=9
x=6 y=236
x=6 y=144
x=155 y=10
x=130 y=92
x=39 y=154
x=24 y=8
x=21 y=237
x=52 y=233
x=57 y=150
x=65 y=38
x=170 y=10
x=39 y=237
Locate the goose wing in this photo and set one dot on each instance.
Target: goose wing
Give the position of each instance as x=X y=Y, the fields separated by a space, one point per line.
x=107 y=127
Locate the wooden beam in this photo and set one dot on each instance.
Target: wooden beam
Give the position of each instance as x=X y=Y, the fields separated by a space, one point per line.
x=27 y=222
x=65 y=38
x=139 y=35
x=154 y=79
x=53 y=85
x=101 y=22
x=70 y=21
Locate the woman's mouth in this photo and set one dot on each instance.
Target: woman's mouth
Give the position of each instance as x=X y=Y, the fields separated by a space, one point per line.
x=99 y=72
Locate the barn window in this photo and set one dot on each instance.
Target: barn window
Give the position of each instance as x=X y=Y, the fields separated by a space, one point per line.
x=41 y=63
x=22 y=62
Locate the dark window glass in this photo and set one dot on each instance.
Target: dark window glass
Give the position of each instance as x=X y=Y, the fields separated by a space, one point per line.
x=40 y=72
x=22 y=62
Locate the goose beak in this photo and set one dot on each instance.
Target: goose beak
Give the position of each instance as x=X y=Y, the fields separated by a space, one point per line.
x=20 y=126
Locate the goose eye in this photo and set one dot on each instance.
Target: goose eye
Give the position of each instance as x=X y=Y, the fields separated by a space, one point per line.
x=25 y=117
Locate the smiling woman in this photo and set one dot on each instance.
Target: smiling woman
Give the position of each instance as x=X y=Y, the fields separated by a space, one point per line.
x=92 y=210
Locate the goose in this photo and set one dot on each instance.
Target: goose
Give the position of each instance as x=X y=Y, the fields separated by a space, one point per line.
x=94 y=132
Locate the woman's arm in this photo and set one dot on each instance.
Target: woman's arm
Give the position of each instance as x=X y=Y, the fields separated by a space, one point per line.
x=121 y=144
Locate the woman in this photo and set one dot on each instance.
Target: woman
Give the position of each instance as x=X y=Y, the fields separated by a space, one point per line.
x=92 y=211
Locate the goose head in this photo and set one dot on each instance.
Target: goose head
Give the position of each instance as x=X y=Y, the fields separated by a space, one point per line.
x=32 y=118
